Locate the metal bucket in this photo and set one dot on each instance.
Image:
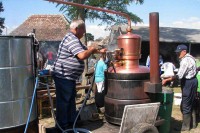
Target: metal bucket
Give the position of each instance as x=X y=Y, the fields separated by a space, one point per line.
x=16 y=82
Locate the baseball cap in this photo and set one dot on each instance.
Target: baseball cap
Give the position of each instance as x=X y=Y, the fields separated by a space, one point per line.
x=180 y=47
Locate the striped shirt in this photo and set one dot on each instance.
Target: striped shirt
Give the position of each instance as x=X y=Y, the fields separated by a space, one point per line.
x=187 y=67
x=67 y=65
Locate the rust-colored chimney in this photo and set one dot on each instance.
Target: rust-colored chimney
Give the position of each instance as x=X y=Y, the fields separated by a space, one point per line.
x=154 y=85
x=154 y=47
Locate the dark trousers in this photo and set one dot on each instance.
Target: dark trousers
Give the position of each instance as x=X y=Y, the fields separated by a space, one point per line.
x=189 y=90
x=198 y=104
x=99 y=99
x=65 y=101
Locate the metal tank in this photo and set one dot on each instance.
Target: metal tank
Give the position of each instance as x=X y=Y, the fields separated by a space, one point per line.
x=16 y=82
x=124 y=83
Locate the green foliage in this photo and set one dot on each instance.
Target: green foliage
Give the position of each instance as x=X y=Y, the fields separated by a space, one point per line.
x=1 y=19
x=72 y=12
x=89 y=37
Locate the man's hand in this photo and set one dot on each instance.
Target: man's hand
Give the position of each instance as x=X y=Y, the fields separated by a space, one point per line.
x=97 y=50
x=103 y=50
x=164 y=81
x=93 y=49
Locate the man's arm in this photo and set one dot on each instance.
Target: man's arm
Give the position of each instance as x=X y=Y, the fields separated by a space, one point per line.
x=86 y=53
x=164 y=81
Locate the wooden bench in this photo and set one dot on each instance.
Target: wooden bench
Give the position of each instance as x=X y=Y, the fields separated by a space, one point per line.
x=42 y=94
x=42 y=97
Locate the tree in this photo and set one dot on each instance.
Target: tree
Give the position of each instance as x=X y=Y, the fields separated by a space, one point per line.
x=89 y=37
x=72 y=12
x=1 y=19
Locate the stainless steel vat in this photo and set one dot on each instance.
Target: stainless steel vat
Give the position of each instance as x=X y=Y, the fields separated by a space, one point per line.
x=16 y=81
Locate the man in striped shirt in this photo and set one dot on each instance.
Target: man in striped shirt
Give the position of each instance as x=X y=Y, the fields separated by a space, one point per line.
x=187 y=75
x=68 y=67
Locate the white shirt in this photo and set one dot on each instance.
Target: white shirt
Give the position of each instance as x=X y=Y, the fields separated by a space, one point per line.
x=148 y=61
x=168 y=69
x=187 y=67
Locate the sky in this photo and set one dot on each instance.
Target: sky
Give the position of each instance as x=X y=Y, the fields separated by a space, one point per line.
x=172 y=13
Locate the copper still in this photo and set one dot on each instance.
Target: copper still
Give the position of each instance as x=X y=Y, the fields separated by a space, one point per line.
x=124 y=83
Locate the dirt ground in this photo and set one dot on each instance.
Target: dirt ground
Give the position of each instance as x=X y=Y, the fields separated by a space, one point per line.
x=176 y=118
x=176 y=121
x=101 y=126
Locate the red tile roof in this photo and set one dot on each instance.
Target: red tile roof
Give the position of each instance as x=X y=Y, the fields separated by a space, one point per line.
x=47 y=27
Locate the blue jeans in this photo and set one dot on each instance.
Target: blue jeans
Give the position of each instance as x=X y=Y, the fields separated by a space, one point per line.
x=65 y=101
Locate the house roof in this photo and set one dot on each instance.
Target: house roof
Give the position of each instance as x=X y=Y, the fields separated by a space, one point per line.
x=47 y=27
x=166 y=34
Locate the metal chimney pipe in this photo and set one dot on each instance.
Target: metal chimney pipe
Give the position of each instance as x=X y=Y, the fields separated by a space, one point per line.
x=154 y=48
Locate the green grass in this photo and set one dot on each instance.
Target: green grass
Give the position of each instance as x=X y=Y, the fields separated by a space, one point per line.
x=177 y=90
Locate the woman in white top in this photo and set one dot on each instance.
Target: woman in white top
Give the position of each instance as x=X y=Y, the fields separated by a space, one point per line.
x=168 y=69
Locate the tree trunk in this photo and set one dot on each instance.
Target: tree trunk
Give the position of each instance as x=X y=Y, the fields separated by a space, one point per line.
x=81 y=15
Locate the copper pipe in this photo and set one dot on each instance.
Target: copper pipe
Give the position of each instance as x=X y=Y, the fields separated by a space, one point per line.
x=154 y=48
x=95 y=8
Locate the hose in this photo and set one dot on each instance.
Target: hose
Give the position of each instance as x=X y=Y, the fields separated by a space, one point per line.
x=75 y=130
x=27 y=122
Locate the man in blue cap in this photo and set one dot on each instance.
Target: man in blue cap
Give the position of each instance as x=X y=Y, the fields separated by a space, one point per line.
x=189 y=83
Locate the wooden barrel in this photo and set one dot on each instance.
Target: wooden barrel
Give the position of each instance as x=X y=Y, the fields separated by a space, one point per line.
x=123 y=89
